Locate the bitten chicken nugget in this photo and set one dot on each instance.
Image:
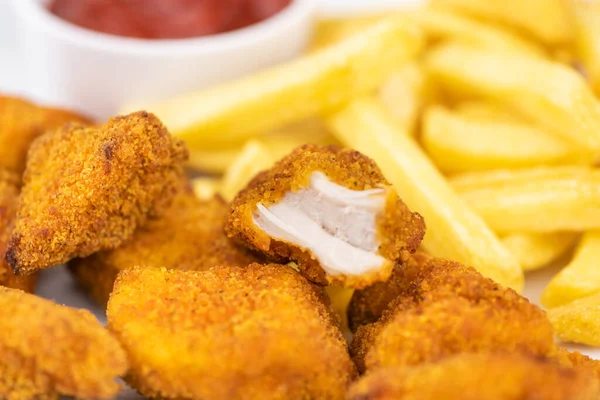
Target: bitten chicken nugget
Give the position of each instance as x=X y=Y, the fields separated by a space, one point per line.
x=331 y=211
x=188 y=237
x=452 y=309
x=47 y=349
x=261 y=332
x=87 y=189
x=9 y=195
x=477 y=377
x=20 y=123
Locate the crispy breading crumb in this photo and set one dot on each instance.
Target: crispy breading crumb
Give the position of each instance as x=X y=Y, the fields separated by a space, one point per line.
x=399 y=230
x=9 y=196
x=189 y=236
x=478 y=376
x=261 y=332
x=48 y=349
x=20 y=123
x=87 y=189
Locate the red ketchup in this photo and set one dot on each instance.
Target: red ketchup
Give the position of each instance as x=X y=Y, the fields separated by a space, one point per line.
x=165 y=19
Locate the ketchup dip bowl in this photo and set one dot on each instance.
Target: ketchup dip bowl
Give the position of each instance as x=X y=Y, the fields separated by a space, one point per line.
x=97 y=73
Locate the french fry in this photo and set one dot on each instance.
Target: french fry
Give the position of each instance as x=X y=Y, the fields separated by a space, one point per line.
x=458 y=144
x=585 y=18
x=548 y=93
x=536 y=200
x=311 y=85
x=578 y=321
x=443 y=25
x=580 y=278
x=205 y=188
x=332 y=30
x=544 y=19
x=485 y=111
x=279 y=144
x=537 y=250
x=453 y=230
x=405 y=93
x=254 y=157
x=213 y=161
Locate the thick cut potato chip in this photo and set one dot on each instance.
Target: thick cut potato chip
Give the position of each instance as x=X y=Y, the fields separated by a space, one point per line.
x=580 y=278
x=548 y=93
x=544 y=19
x=537 y=250
x=460 y=144
x=535 y=200
x=311 y=85
x=443 y=25
x=578 y=321
x=453 y=230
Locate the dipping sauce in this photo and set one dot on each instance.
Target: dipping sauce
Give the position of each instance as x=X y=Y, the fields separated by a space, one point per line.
x=165 y=19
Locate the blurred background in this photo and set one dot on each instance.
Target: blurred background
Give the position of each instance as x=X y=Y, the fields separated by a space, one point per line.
x=12 y=73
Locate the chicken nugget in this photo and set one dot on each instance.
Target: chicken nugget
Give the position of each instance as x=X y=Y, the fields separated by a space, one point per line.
x=20 y=123
x=580 y=362
x=47 y=349
x=9 y=195
x=368 y=304
x=261 y=332
x=476 y=377
x=188 y=237
x=452 y=309
x=87 y=189
x=331 y=211
x=413 y=277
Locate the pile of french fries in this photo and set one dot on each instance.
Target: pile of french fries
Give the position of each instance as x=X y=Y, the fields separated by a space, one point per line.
x=482 y=114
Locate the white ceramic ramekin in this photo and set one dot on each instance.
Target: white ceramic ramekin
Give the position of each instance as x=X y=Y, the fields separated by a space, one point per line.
x=98 y=73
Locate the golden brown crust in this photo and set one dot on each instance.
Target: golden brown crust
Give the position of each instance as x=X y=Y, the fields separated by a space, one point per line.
x=189 y=236
x=580 y=362
x=87 y=189
x=228 y=333
x=20 y=123
x=368 y=304
x=452 y=309
x=476 y=377
x=9 y=196
x=400 y=230
x=49 y=349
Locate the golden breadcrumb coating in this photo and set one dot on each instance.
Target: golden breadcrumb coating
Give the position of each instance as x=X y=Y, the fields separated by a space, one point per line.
x=20 y=123
x=189 y=236
x=368 y=304
x=87 y=189
x=9 y=196
x=47 y=349
x=261 y=332
x=399 y=230
x=452 y=309
x=478 y=377
x=580 y=362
